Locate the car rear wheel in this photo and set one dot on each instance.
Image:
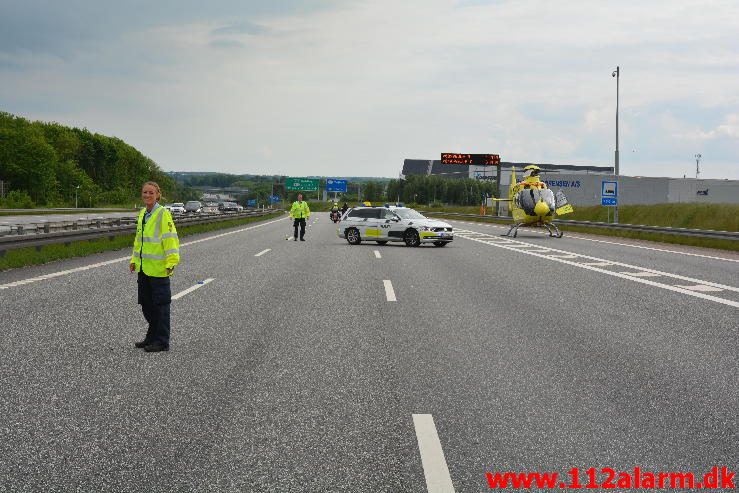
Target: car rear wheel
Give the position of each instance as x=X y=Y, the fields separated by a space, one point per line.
x=411 y=238
x=382 y=243
x=352 y=236
x=440 y=243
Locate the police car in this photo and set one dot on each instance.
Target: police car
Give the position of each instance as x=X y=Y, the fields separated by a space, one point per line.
x=383 y=224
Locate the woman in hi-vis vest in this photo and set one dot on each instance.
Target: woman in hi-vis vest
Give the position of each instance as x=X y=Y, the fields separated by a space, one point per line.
x=156 y=252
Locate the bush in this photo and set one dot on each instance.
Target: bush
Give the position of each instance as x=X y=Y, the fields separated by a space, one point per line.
x=17 y=200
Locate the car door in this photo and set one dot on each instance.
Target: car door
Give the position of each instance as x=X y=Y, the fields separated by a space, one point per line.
x=371 y=221
x=388 y=223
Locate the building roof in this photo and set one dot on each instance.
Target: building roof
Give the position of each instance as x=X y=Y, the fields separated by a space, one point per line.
x=421 y=167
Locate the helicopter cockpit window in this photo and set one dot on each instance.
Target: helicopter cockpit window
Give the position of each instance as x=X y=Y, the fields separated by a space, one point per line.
x=527 y=199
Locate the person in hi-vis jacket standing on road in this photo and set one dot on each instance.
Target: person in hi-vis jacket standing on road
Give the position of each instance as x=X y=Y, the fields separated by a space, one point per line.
x=299 y=212
x=156 y=252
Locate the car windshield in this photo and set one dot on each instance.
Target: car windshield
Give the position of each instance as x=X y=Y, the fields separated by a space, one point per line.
x=409 y=214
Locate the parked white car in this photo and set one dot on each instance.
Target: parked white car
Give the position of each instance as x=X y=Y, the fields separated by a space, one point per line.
x=383 y=224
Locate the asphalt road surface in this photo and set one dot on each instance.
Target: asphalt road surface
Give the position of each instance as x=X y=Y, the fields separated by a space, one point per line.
x=50 y=218
x=318 y=366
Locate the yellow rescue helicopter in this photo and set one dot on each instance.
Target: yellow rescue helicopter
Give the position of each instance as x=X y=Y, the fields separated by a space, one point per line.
x=532 y=203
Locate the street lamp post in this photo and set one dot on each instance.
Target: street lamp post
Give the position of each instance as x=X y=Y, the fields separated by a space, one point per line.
x=76 y=189
x=616 y=73
x=697 y=162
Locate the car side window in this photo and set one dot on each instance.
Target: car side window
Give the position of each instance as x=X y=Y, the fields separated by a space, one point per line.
x=365 y=213
x=388 y=214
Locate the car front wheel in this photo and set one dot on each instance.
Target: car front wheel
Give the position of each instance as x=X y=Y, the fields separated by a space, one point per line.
x=352 y=236
x=411 y=238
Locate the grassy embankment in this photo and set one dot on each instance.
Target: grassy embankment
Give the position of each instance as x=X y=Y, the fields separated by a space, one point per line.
x=719 y=217
x=32 y=256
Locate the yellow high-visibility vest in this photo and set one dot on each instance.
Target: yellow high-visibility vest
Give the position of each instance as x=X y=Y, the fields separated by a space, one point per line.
x=300 y=210
x=156 y=246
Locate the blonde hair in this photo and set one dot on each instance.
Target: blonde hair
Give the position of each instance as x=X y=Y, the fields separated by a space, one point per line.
x=156 y=187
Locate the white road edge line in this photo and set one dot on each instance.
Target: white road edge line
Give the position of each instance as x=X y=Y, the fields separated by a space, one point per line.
x=262 y=252
x=389 y=291
x=632 y=278
x=190 y=289
x=611 y=263
x=377 y=254
x=664 y=250
x=120 y=259
x=435 y=468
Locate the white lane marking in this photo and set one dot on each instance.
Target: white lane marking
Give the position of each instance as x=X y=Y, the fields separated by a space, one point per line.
x=62 y=273
x=643 y=274
x=655 y=249
x=191 y=289
x=262 y=252
x=664 y=250
x=603 y=263
x=120 y=259
x=564 y=256
x=701 y=287
x=377 y=254
x=669 y=287
x=389 y=291
x=435 y=468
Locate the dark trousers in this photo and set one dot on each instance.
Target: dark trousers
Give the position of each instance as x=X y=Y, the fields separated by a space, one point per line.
x=300 y=222
x=155 y=297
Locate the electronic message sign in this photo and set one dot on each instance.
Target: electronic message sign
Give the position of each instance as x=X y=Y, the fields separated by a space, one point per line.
x=474 y=159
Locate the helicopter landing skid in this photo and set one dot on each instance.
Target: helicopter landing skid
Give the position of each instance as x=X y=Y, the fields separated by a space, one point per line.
x=557 y=233
x=514 y=229
x=549 y=226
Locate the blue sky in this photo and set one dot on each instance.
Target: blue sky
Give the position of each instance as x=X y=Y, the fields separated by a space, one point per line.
x=354 y=87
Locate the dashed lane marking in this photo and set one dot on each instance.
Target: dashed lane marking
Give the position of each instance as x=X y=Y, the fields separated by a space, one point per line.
x=377 y=254
x=389 y=291
x=643 y=274
x=435 y=468
x=191 y=289
x=262 y=252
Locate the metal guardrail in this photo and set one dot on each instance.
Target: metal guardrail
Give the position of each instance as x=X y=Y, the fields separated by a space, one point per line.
x=65 y=232
x=700 y=233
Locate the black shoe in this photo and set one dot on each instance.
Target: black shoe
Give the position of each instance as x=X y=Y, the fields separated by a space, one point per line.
x=302 y=239
x=295 y=239
x=156 y=347
x=142 y=344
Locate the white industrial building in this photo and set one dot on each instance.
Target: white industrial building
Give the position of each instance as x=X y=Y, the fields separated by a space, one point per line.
x=582 y=184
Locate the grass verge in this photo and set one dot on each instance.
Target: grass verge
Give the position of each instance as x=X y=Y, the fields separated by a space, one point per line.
x=23 y=257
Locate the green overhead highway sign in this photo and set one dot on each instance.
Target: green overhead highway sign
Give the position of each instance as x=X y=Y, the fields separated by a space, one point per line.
x=302 y=184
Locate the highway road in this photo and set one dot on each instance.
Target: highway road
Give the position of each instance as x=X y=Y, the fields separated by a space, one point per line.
x=322 y=367
x=43 y=218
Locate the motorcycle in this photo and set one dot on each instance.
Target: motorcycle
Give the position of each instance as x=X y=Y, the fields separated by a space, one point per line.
x=335 y=216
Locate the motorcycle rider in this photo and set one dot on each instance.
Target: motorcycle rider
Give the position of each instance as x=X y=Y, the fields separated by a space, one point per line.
x=344 y=208
x=334 y=212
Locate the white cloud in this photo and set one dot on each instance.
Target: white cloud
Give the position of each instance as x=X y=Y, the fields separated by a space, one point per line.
x=357 y=88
